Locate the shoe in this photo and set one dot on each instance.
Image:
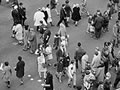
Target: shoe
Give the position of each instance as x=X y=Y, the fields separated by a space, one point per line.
x=8 y=86
x=21 y=83
x=69 y=85
x=74 y=86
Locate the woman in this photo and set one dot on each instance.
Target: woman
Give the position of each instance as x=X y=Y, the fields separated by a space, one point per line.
x=7 y=74
x=76 y=14
x=19 y=33
x=33 y=41
x=41 y=65
x=62 y=30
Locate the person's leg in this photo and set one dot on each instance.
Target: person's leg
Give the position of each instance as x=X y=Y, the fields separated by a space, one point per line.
x=65 y=21
x=40 y=74
x=74 y=80
x=61 y=19
x=116 y=81
x=76 y=64
x=21 y=80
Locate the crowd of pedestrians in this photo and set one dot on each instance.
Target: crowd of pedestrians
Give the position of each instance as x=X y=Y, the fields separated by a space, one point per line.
x=96 y=75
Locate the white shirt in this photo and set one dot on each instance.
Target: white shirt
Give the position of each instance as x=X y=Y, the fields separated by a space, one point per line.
x=38 y=16
x=48 y=11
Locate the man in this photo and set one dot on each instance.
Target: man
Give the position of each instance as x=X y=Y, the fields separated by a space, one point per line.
x=46 y=36
x=53 y=4
x=63 y=16
x=15 y=15
x=78 y=54
x=98 y=23
x=116 y=2
x=49 y=20
x=48 y=82
x=22 y=12
x=39 y=16
x=68 y=10
x=20 y=69
x=116 y=33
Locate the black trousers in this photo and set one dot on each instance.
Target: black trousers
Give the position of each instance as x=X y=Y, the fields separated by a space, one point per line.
x=76 y=64
x=98 y=33
x=65 y=21
x=116 y=80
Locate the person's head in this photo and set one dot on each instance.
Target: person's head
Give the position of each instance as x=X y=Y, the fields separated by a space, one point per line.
x=67 y=1
x=43 y=8
x=47 y=5
x=72 y=62
x=6 y=63
x=26 y=27
x=19 y=58
x=41 y=22
x=15 y=7
x=77 y=5
x=96 y=53
x=20 y=4
x=79 y=44
x=63 y=5
x=87 y=72
x=98 y=13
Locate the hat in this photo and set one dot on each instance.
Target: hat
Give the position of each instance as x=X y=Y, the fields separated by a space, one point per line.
x=15 y=7
x=20 y=3
x=43 y=8
x=77 y=5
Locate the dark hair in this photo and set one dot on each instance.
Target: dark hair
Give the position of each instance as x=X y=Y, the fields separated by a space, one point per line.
x=20 y=3
x=6 y=63
x=63 y=5
x=26 y=27
x=47 y=5
x=19 y=58
x=79 y=44
x=117 y=21
x=67 y=1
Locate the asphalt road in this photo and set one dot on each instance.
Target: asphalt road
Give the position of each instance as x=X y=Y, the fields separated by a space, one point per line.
x=10 y=52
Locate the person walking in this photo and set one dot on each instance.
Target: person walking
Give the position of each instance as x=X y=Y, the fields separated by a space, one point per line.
x=76 y=14
x=20 y=69
x=33 y=41
x=7 y=73
x=63 y=16
x=78 y=54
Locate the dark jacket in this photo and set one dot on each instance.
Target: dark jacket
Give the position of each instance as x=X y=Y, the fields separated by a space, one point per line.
x=98 y=23
x=62 y=13
x=16 y=16
x=68 y=10
x=59 y=54
x=20 y=69
x=76 y=14
x=49 y=81
x=79 y=53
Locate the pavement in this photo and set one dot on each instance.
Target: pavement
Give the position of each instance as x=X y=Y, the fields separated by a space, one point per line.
x=9 y=51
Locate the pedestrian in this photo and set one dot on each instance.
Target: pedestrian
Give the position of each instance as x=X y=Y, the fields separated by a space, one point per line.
x=26 y=35
x=7 y=73
x=116 y=33
x=78 y=54
x=119 y=14
x=19 y=33
x=41 y=65
x=76 y=14
x=15 y=15
x=63 y=16
x=98 y=24
x=56 y=41
x=117 y=79
x=0 y=2
x=20 y=66
x=59 y=69
x=22 y=11
x=116 y=2
x=32 y=40
x=48 y=82
x=46 y=37
x=45 y=13
x=39 y=16
x=71 y=72
x=84 y=60
x=68 y=10
x=53 y=5
x=49 y=19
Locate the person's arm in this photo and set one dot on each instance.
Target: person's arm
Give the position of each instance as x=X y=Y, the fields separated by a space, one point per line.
x=114 y=28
